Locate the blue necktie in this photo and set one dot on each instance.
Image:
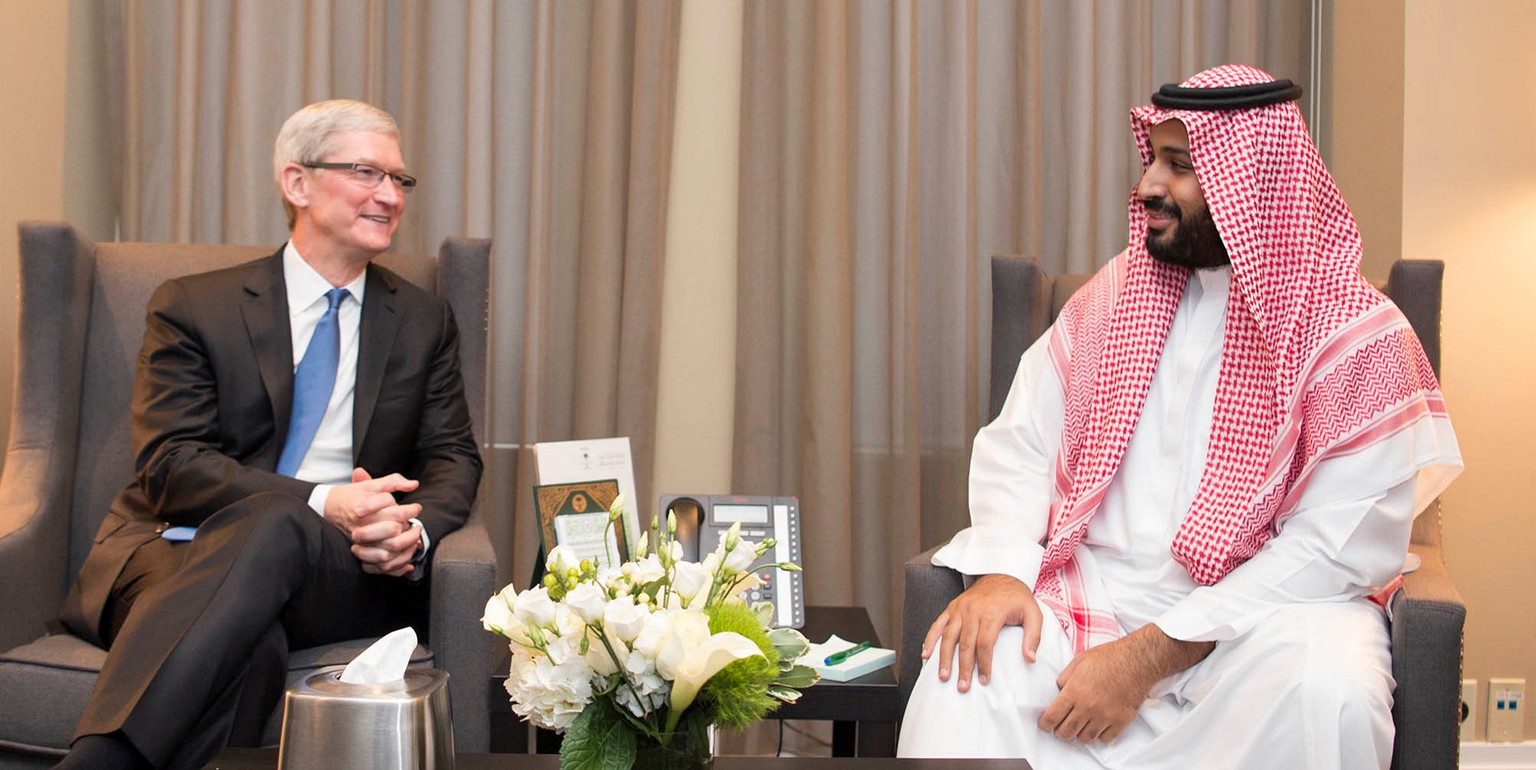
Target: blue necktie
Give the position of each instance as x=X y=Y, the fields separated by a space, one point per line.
x=313 y=382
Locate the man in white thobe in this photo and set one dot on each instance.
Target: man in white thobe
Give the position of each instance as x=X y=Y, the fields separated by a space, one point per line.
x=1201 y=474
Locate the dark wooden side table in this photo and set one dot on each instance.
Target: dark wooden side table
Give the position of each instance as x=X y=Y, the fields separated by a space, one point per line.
x=863 y=711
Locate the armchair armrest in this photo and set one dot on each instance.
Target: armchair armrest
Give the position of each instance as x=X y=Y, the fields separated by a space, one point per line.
x=55 y=271
x=1427 y=619
x=463 y=578
x=34 y=527
x=928 y=589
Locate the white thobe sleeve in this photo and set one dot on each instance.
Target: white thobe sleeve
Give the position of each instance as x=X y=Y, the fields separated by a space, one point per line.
x=1011 y=477
x=1346 y=538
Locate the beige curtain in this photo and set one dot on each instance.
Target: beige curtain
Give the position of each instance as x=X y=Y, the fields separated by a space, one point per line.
x=889 y=149
x=544 y=125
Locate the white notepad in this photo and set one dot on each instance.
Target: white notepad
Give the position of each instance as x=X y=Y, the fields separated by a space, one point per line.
x=853 y=666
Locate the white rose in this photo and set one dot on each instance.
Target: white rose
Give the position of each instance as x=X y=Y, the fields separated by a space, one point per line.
x=568 y=623
x=587 y=600
x=741 y=557
x=624 y=620
x=561 y=561
x=658 y=626
x=647 y=570
x=498 y=611
x=690 y=578
x=534 y=607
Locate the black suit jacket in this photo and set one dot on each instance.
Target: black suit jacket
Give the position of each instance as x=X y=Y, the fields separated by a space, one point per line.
x=213 y=395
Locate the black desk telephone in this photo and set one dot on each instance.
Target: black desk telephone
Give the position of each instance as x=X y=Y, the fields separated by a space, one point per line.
x=703 y=519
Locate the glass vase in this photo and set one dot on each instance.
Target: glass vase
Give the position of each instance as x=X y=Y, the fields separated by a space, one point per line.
x=680 y=752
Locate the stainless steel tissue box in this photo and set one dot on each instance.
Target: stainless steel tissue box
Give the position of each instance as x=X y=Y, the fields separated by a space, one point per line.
x=402 y=725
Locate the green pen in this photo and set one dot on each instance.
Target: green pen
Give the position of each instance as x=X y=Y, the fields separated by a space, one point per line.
x=838 y=657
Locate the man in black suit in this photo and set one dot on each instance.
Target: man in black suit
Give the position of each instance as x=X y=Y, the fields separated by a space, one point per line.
x=303 y=415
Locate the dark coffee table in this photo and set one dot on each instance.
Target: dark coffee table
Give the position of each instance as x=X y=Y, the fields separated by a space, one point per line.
x=266 y=759
x=863 y=711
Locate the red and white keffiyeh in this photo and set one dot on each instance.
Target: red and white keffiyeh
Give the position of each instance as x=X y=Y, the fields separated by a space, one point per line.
x=1314 y=361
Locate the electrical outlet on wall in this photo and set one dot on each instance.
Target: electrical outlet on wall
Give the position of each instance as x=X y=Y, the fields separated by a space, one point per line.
x=1506 y=710
x=1468 y=710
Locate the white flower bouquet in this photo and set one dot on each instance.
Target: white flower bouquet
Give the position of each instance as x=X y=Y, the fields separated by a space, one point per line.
x=639 y=661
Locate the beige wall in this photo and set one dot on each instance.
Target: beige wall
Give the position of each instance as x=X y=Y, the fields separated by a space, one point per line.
x=1364 y=138
x=33 y=45
x=1469 y=197
x=1434 y=117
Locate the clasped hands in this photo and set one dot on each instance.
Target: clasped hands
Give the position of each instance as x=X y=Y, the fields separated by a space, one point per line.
x=383 y=538
x=1101 y=688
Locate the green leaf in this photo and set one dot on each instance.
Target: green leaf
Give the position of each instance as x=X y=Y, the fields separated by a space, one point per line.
x=798 y=677
x=791 y=643
x=786 y=694
x=598 y=740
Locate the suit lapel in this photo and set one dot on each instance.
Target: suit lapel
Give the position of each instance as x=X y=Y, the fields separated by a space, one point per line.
x=265 y=309
x=380 y=322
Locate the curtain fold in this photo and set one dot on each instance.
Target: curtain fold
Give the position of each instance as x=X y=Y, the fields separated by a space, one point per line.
x=889 y=148
x=543 y=125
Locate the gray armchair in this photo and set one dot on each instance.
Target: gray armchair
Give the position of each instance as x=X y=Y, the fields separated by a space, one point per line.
x=81 y=323
x=1427 y=615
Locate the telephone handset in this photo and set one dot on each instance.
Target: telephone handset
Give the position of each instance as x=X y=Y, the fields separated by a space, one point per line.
x=703 y=519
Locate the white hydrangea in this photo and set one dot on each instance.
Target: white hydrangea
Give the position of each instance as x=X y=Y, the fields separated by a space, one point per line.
x=652 y=689
x=547 y=693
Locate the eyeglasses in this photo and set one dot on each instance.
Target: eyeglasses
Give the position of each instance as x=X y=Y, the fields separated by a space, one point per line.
x=367 y=175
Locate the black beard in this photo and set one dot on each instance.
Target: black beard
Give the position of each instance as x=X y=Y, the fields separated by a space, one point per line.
x=1195 y=244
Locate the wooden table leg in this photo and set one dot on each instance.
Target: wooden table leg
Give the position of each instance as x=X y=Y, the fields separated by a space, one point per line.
x=877 y=739
x=844 y=738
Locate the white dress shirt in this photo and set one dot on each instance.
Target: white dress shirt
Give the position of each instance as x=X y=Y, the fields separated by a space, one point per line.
x=329 y=461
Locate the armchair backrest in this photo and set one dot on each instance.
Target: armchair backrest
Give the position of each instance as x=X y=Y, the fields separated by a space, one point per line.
x=80 y=327
x=1025 y=300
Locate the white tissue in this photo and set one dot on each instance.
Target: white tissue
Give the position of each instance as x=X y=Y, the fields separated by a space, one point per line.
x=384 y=660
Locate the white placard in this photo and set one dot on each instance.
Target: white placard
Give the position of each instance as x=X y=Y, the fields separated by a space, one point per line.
x=570 y=462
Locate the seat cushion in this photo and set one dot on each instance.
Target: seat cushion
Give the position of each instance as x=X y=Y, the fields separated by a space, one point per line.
x=48 y=681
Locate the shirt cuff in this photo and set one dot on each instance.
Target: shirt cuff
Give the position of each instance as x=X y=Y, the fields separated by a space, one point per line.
x=426 y=540
x=1200 y=617
x=419 y=560
x=317 y=497
x=977 y=551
